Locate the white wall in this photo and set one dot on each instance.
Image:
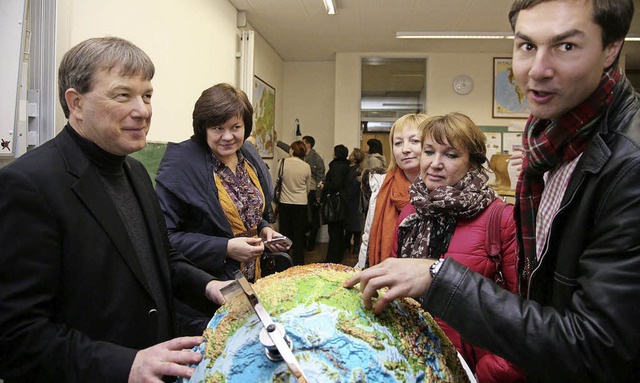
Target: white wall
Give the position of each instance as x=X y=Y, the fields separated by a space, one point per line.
x=309 y=96
x=197 y=47
x=441 y=99
x=192 y=44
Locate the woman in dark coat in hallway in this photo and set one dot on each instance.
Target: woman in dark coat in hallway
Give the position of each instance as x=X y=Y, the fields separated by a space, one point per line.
x=354 y=221
x=336 y=182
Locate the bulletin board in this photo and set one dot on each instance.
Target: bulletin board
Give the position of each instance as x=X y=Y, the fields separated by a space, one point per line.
x=501 y=139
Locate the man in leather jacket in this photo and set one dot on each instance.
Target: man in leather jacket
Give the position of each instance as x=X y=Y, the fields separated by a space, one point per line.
x=578 y=210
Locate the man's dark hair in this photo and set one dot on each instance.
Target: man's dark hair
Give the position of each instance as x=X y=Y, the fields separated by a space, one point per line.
x=613 y=16
x=309 y=140
x=341 y=152
x=375 y=146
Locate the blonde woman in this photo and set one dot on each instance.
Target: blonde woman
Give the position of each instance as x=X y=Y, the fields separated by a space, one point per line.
x=390 y=192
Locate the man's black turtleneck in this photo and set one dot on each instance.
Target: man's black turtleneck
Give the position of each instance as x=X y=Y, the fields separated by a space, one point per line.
x=116 y=179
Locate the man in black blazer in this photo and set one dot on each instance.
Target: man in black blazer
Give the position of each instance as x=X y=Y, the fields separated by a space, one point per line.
x=87 y=274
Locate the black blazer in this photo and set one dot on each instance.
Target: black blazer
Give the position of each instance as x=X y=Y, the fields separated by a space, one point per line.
x=75 y=305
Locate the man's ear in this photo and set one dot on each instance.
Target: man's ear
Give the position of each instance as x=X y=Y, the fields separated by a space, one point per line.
x=74 y=102
x=611 y=51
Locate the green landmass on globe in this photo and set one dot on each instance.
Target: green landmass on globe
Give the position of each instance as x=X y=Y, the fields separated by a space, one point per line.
x=334 y=338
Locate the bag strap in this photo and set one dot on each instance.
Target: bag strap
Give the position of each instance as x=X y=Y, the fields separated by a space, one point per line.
x=493 y=243
x=281 y=168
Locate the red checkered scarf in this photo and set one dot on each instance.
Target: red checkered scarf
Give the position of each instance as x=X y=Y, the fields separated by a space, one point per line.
x=548 y=144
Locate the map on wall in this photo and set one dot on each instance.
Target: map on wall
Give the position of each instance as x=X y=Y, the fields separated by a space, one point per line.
x=264 y=117
x=509 y=100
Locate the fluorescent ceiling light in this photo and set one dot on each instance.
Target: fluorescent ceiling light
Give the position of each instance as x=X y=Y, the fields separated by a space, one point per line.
x=470 y=35
x=330 y=6
x=454 y=35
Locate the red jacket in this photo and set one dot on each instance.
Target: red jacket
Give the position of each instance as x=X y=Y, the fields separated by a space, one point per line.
x=467 y=247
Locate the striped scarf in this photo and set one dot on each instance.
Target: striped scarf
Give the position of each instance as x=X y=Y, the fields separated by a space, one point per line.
x=548 y=144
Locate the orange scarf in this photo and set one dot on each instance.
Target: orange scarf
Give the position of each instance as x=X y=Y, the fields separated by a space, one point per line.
x=392 y=197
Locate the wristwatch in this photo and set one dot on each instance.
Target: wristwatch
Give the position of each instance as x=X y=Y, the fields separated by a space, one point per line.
x=435 y=268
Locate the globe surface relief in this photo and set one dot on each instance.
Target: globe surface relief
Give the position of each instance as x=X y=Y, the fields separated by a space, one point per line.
x=334 y=338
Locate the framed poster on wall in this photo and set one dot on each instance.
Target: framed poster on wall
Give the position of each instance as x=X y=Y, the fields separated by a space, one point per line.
x=264 y=117
x=509 y=100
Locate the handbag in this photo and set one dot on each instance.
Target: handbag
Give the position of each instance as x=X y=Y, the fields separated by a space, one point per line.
x=333 y=209
x=274 y=263
x=493 y=245
x=277 y=191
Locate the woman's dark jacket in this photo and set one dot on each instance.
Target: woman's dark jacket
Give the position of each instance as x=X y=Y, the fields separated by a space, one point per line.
x=336 y=179
x=355 y=218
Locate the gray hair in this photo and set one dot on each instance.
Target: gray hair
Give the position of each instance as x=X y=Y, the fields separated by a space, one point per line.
x=84 y=60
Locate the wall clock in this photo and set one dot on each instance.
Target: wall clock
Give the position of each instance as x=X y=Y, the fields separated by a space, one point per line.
x=462 y=84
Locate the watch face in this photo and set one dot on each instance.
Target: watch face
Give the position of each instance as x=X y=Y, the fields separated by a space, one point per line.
x=462 y=84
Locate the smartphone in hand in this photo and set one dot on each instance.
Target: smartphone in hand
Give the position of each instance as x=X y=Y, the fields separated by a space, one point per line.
x=284 y=241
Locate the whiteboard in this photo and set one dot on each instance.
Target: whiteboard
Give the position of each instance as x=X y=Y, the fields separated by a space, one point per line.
x=11 y=29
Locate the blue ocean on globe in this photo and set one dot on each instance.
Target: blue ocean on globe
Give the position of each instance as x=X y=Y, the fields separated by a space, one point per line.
x=343 y=358
x=333 y=337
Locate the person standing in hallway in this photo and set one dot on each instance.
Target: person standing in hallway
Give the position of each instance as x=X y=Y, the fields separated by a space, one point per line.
x=374 y=157
x=354 y=220
x=577 y=210
x=335 y=186
x=296 y=183
x=316 y=163
x=393 y=195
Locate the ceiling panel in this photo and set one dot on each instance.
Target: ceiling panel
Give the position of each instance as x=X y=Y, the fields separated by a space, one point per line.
x=301 y=30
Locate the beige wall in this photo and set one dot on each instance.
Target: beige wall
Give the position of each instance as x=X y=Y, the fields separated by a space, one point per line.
x=441 y=99
x=309 y=95
x=197 y=48
x=306 y=91
x=192 y=44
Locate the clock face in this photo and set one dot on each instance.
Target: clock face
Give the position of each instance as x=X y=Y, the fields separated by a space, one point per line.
x=463 y=84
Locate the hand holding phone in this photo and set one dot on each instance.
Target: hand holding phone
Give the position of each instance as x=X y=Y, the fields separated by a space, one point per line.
x=281 y=243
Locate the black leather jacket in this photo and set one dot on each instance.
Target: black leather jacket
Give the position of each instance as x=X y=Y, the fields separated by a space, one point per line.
x=581 y=321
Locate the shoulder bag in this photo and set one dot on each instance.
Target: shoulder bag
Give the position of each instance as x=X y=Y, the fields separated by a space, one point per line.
x=333 y=209
x=271 y=263
x=277 y=191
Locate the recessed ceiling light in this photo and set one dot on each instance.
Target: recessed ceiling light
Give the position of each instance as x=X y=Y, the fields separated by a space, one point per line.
x=453 y=35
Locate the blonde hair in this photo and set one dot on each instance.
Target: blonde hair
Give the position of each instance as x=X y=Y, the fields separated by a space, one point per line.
x=411 y=120
x=358 y=155
x=460 y=132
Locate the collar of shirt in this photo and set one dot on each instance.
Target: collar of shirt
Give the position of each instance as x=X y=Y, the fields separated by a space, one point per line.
x=219 y=165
